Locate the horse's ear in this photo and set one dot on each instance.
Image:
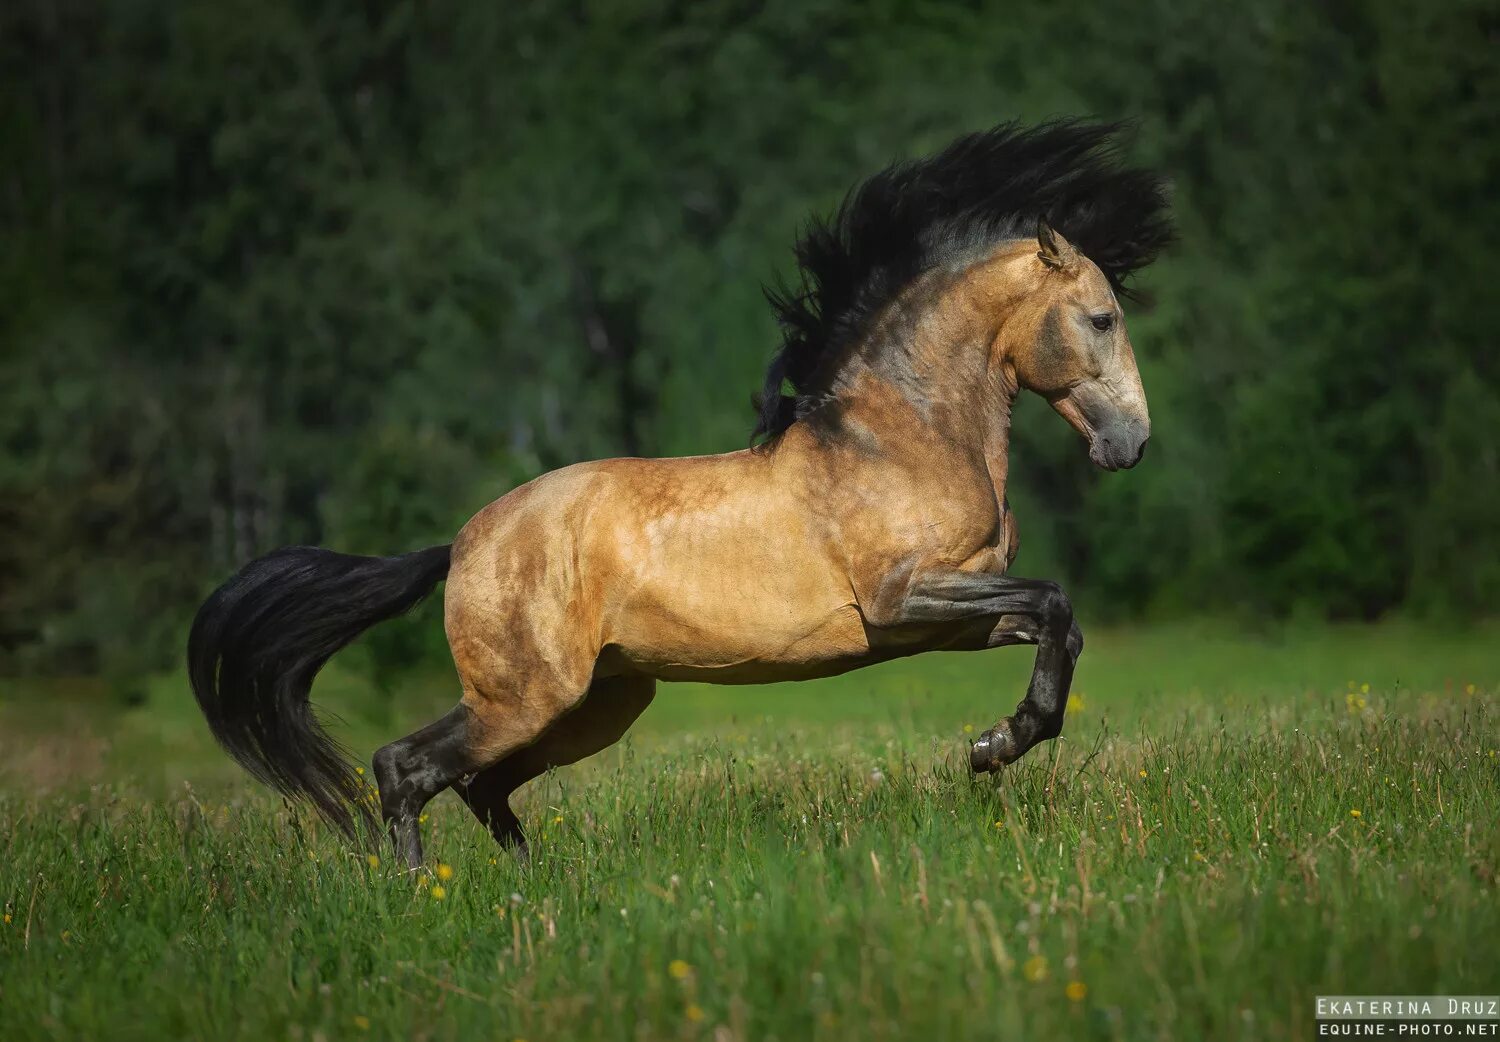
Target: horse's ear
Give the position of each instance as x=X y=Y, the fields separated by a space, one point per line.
x=1056 y=252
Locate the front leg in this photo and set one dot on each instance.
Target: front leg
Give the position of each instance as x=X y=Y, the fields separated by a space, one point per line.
x=1025 y=611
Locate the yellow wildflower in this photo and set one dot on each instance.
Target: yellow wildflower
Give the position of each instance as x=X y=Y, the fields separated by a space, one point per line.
x=679 y=969
x=1035 y=968
x=968 y=728
x=1076 y=991
x=1354 y=814
x=362 y=1022
x=359 y=770
x=444 y=872
x=373 y=860
x=694 y=1012
x=999 y=824
x=438 y=893
x=1075 y=704
x=1468 y=689
x=557 y=820
x=1364 y=689
x=1143 y=772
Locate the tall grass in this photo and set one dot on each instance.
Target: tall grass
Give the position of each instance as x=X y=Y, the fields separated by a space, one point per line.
x=1200 y=872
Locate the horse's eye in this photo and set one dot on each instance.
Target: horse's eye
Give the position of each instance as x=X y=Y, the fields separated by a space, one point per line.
x=1102 y=322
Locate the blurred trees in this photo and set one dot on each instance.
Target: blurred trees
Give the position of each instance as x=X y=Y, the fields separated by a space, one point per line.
x=342 y=273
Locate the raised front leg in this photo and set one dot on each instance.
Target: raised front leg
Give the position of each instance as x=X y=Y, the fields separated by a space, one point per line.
x=1025 y=611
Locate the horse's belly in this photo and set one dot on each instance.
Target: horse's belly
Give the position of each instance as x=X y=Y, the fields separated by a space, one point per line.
x=745 y=647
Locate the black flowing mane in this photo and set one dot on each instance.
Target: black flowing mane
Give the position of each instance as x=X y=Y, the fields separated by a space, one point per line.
x=913 y=216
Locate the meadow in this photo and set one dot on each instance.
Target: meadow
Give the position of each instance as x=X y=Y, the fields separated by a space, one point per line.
x=1232 y=824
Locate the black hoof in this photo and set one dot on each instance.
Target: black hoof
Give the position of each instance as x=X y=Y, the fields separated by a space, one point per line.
x=994 y=749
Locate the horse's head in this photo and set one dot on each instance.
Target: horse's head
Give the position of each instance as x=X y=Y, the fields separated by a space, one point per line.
x=1070 y=347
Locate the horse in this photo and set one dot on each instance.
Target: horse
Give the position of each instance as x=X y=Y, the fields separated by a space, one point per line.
x=866 y=520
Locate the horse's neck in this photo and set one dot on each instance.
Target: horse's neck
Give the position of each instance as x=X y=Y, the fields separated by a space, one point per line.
x=959 y=432
x=940 y=400
x=922 y=386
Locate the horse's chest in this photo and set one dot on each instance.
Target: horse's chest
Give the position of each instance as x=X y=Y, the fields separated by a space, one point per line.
x=974 y=532
x=981 y=540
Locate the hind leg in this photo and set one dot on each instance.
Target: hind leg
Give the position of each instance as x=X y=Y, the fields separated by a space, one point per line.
x=481 y=731
x=606 y=713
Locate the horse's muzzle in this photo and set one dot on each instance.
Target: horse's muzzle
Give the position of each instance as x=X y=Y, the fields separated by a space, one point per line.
x=1119 y=446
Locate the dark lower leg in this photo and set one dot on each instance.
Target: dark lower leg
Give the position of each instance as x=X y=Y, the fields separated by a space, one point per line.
x=608 y=710
x=1024 y=611
x=487 y=794
x=1038 y=716
x=413 y=770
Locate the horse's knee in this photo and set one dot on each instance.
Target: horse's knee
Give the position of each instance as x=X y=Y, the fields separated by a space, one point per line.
x=1075 y=640
x=1055 y=609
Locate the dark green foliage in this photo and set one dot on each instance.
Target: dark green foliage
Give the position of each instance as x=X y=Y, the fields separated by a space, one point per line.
x=302 y=272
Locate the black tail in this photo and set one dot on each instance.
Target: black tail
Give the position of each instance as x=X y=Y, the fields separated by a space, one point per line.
x=259 y=640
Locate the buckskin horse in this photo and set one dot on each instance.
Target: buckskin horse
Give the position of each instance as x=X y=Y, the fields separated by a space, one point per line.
x=866 y=521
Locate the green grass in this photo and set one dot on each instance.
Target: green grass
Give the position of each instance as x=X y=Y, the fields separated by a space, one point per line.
x=806 y=861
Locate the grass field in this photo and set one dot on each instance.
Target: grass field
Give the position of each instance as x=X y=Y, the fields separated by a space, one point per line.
x=1229 y=827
